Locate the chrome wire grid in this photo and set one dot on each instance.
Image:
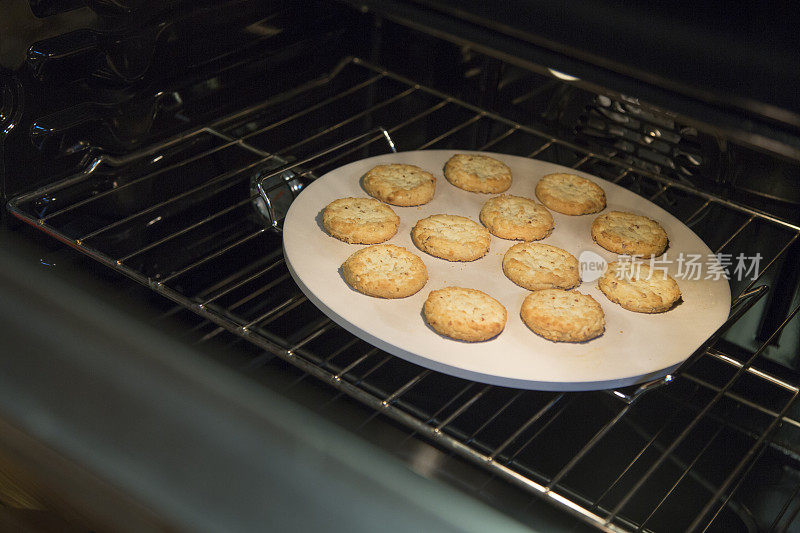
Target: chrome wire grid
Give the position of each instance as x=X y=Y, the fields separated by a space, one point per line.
x=179 y=217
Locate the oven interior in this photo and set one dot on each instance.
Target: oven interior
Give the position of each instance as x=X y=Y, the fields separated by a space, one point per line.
x=160 y=185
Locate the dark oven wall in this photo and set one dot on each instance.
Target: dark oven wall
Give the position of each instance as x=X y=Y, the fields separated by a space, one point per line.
x=161 y=116
x=613 y=113
x=79 y=80
x=82 y=81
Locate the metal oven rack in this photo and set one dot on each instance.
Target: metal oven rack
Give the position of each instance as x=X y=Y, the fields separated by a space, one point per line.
x=180 y=218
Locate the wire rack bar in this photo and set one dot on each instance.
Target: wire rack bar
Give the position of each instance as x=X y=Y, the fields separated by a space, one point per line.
x=745 y=461
x=542 y=148
x=622 y=175
x=684 y=467
x=734 y=234
x=450 y=132
x=652 y=440
x=740 y=307
x=772 y=261
x=355 y=363
x=756 y=372
x=747 y=295
x=588 y=446
x=558 y=412
x=393 y=129
x=279 y=261
x=435 y=416
x=734 y=489
x=685 y=472
x=239 y=142
x=184 y=230
x=277 y=311
x=510 y=131
x=583 y=160
x=791 y=518
x=215 y=181
x=774 y=525
x=659 y=193
x=217 y=285
x=466 y=405
x=339 y=351
x=239 y=303
x=494 y=416
x=533 y=131
x=214 y=255
x=115 y=190
x=348 y=120
x=719 y=395
x=375 y=367
x=741 y=400
x=327 y=325
x=406 y=387
x=532 y=420
x=696 y=214
x=313 y=107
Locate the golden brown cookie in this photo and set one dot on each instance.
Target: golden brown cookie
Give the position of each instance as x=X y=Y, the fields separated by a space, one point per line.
x=385 y=271
x=536 y=266
x=464 y=314
x=451 y=237
x=570 y=194
x=563 y=316
x=637 y=287
x=517 y=218
x=360 y=220
x=402 y=185
x=629 y=234
x=477 y=173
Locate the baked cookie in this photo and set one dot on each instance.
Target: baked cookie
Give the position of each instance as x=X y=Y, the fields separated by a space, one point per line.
x=563 y=316
x=360 y=220
x=385 y=271
x=629 y=234
x=637 y=287
x=570 y=194
x=516 y=218
x=402 y=185
x=464 y=314
x=477 y=173
x=537 y=266
x=451 y=237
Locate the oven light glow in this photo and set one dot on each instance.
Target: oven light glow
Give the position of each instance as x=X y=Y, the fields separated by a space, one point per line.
x=562 y=76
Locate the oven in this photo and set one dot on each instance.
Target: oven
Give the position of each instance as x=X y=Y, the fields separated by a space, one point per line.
x=162 y=370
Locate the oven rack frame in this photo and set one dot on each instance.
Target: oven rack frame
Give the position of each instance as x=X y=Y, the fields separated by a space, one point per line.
x=433 y=425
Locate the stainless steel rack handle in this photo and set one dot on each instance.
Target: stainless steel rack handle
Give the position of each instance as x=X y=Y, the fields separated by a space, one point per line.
x=740 y=306
x=288 y=174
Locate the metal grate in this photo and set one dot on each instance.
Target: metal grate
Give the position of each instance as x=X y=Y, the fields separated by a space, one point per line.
x=647 y=140
x=180 y=218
